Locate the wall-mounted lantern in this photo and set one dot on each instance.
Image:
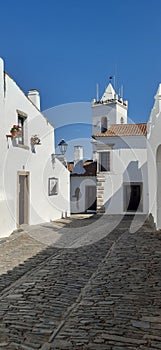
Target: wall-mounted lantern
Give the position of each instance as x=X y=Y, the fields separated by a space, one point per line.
x=63 y=146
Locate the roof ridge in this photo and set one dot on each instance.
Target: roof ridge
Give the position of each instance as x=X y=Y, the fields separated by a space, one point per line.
x=43 y=115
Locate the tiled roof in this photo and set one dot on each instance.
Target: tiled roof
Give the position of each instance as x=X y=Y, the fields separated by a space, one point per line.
x=125 y=130
x=70 y=166
x=89 y=166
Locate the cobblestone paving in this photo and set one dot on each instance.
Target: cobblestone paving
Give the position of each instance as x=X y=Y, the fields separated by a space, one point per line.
x=20 y=247
x=106 y=295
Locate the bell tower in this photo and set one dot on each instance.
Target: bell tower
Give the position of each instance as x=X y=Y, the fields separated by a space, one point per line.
x=110 y=109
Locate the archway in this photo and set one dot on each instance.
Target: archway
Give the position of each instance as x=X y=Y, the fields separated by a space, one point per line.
x=158 y=161
x=104 y=125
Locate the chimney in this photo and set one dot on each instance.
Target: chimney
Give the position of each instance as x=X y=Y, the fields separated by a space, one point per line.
x=34 y=96
x=78 y=160
x=78 y=154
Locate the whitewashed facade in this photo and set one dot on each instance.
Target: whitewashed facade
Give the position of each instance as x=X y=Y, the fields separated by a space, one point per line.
x=82 y=184
x=120 y=150
x=154 y=160
x=119 y=184
x=83 y=193
x=34 y=187
x=128 y=167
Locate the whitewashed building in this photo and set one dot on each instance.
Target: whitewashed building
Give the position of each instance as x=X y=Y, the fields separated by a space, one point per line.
x=119 y=184
x=34 y=187
x=120 y=150
x=82 y=183
x=154 y=160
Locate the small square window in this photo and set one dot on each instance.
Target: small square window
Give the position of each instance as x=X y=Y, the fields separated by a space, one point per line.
x=104 y=161
x=53 y=186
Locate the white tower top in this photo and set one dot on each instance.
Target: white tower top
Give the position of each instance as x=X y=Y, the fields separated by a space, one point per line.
x=111 y=109
x=109 y=93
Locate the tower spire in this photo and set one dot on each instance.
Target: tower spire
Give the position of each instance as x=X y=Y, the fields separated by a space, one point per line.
x=109 y=93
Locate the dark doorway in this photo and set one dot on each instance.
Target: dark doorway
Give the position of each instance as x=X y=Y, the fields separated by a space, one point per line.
x=90 y=198
x=133 y=197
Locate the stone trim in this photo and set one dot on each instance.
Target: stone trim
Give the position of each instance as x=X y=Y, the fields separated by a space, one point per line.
x=21 y=114
x=100 y=180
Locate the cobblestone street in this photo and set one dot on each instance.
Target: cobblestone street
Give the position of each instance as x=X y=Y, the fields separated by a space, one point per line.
x=97 y=286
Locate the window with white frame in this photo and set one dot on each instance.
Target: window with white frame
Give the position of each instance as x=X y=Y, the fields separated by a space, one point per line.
x=104 y=161
x=22 y=123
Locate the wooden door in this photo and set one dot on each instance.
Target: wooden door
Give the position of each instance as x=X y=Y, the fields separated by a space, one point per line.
x=91 y=198
x=23 y=198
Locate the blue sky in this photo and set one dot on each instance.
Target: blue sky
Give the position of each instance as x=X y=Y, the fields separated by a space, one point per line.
x=63 y=48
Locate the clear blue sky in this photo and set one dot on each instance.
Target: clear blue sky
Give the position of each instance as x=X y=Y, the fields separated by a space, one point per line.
x=63 y=48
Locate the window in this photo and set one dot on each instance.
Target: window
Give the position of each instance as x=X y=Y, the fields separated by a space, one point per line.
x=104 y=161
x=53 y=186
x=104 y=124
x=122 y=120
x=22 y=117
x=21 y=124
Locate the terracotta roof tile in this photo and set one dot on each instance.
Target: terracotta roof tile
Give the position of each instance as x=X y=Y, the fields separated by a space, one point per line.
x=70 y=166
x=89 y=166
x=125 y=130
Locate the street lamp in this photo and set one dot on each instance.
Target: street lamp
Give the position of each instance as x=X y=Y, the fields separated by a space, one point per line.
x=63 y=146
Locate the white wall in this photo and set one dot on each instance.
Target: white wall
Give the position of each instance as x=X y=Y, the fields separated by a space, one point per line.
x=128 y=164
x=113 y=112
x=121 y=111
x=13 y=159
x=154 y=141
x=80 y=182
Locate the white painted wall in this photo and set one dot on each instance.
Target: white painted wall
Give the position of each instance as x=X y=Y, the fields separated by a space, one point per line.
x=128 y=164
x=80 y=182
x=113 y=111
x=13 y=159
x=121 y=111
x=154 y=141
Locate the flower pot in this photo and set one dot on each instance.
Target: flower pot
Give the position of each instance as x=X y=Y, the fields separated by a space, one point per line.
x=14 y=133
x=19 y=133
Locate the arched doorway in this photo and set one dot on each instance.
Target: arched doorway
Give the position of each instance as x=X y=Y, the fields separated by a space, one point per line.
x=158 y=160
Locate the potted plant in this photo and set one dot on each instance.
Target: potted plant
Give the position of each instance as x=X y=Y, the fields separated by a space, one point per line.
x=15 y=131
x=35 y=140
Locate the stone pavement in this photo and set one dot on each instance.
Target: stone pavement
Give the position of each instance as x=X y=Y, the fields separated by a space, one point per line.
x=96 y=287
